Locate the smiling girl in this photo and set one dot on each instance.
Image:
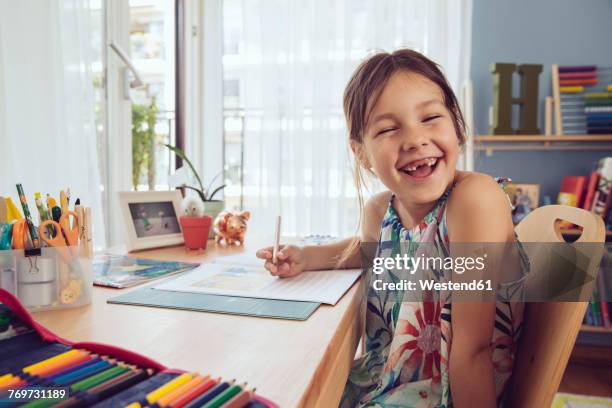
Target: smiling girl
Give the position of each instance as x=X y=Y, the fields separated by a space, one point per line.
x=406 y=128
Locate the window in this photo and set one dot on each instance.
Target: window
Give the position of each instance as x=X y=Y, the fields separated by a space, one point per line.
x=152 y=33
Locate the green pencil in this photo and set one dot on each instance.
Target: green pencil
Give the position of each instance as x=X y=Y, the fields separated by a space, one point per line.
x=225 y=396
x=99 y=378
x=28 y=216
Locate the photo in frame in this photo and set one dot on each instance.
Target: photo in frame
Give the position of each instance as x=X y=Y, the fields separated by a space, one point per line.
x=524 y=198
x=151 y=218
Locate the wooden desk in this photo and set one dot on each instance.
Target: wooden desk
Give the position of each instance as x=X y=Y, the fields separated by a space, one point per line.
x=295 y=364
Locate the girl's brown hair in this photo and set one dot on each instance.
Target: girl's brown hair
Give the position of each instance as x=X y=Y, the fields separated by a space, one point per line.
x=364 y=89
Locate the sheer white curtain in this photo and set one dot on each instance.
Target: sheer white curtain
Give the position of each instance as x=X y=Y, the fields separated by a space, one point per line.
x=294 y=62
x=47 y=123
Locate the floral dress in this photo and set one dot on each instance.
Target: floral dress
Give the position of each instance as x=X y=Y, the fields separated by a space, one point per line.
x=408 y=343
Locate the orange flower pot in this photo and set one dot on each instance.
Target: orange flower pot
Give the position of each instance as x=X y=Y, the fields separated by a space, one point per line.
x=195 y=231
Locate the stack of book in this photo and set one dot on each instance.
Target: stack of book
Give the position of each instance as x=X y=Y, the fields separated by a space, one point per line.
x=591 y=193
x=598 y=112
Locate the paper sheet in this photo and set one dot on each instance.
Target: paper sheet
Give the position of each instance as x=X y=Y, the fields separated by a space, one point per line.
x=241 y=278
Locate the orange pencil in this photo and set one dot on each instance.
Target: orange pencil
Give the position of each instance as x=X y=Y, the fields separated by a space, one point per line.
x=65 y=364
x=240 y=400
x=15 y=382
x=167 y=399
x=51 y=364
x=50 y=360
x=5 y=378
x=194 y=393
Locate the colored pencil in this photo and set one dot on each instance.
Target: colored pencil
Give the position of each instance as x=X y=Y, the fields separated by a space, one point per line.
x=83 y=373
x=167 y=399
x=194 y=393
x=16 y=382
x=225 y=396
x=5 y=378
x=113 y=387
x=209 y=395
x=63 y=364
x=241 y=400
x=92 y=360
x=101 y=391
x=33 y=368
x=99 y=378
x=168 y=387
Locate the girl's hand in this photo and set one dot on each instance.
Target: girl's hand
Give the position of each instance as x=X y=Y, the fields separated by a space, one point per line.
x=290 y=260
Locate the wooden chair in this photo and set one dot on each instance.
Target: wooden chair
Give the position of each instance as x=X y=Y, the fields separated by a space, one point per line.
x=549 y=328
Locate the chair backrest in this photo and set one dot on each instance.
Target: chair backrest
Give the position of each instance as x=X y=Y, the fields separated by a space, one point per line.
x=549 y=328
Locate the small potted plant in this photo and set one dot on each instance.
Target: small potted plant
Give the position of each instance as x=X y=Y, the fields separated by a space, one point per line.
x=198 y=212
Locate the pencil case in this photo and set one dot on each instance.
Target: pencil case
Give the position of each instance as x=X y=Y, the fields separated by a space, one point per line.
x=24 y=342
x=47 y=278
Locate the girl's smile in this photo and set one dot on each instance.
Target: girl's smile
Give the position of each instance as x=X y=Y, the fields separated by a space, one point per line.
x=410 y=141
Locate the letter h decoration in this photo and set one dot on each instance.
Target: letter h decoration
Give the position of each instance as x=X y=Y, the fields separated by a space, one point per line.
x=503 y=100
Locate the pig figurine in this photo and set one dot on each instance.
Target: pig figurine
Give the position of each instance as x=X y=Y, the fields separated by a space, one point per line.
x=231 y=227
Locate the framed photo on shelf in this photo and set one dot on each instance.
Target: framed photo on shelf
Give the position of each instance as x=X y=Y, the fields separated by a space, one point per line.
x=524 y=198
x=151 y=218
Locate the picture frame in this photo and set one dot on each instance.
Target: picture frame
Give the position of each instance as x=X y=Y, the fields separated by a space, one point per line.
x=151 y=218
x=524 y=198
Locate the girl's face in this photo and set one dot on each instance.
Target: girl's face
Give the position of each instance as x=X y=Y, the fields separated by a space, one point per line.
x=410 y=142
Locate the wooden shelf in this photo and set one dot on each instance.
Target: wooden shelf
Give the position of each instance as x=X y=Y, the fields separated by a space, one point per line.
x=489 y=143
x=542 y=138
x=596 y=329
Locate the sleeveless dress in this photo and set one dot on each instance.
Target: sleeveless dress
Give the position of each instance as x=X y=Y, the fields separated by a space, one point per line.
x=405 y=363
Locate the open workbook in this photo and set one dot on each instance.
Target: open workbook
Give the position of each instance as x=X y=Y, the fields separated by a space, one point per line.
x=244 y=275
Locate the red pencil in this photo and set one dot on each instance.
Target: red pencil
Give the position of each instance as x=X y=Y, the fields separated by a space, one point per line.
x=194 y=393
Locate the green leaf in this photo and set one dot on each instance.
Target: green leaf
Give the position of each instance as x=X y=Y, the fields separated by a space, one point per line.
x=215 y=192
x=200 y=193
x=180 y=154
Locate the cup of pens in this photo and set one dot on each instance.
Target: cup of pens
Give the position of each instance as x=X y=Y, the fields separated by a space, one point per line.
x=47 y=266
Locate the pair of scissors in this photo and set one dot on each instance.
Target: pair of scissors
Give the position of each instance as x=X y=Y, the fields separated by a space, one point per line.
x=65 y=235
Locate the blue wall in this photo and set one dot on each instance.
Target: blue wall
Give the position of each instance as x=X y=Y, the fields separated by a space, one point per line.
x=566 y=32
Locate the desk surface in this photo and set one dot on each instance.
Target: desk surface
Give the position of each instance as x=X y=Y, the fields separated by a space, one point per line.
x=292 y=363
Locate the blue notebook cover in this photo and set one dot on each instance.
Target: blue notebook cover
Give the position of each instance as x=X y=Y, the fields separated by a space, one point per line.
x=279 y=309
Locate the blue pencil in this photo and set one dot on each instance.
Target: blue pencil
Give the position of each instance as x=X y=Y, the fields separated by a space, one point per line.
x=82 y=373
x=73 y=368
x=207 y=396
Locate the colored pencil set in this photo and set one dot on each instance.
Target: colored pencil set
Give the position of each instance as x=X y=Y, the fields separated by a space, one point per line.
x=91 y=378
x=586 y=99
x=84 y=375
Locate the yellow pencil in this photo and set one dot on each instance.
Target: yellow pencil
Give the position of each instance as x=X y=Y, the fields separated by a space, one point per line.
x=133 y=405
x=169 y=387
x=44 y=363
x=62 y=362
x=63 y=202
x=169 y=398
x=10 y=384
x=6 y=378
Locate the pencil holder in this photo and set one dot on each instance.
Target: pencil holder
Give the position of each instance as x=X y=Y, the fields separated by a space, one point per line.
x=47 y=278
x=8 y=271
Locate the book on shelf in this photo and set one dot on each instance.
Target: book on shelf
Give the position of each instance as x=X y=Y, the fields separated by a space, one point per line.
x=599 y=307
x=601 y=198
x=590 y=190
x=592 y=193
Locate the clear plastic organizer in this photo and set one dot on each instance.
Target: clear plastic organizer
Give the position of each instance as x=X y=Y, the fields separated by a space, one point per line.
x=47 y=278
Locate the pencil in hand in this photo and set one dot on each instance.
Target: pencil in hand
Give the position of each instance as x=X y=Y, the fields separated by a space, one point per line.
x=276 y=240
